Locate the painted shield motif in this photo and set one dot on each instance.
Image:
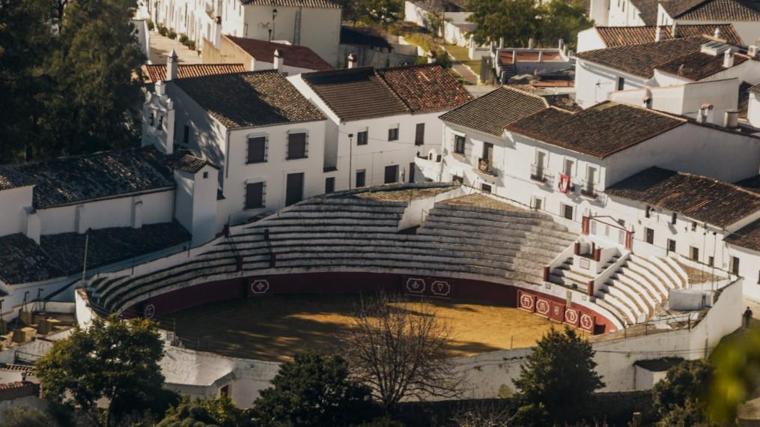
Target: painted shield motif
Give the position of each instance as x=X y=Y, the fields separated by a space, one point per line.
x=526 y=302
x=571 y=316
x=542 y=307
x=415 y=285
x=149 y=311
x=587 y=322
x=440 y=288
x=260 y=286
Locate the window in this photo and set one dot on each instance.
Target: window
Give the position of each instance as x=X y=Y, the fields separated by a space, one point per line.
x=537 y=203
x=567 y=211
x=254 y=195
x=735 y=265
x=459 y=144
x=568 y=170
x=674 y=218
x=487 y=151
x=694 y=226
x=257 y=149
x=224 y=391
x=294 y=188
x=419 y=134
x=152 y=119
x=694 y=253
x=649 y=235
x=648 y=212
x=537 y=171
x=457 y=179
x=205 y=175
x=411 y=172
x=620 y=83
x=393 y=134
x=590 y=179
x=361 y=176
x=362 y=138
x=391 y=174
x=486 y=188
x=296 y=146
x=329 y=185
x=186 y=134
x=671 y=245
x=710 y=261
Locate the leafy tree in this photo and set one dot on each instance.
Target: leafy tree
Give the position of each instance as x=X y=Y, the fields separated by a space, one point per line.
x=400 y=352
x=515 y=21
x=313 y=390
x=26 y=417
x=559 y=376
x=562 y=19
x=107 y=371
x=383 y=12
x=199 y=413
x=680 y=398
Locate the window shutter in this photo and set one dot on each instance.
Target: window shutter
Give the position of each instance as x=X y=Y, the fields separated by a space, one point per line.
x=419 y=134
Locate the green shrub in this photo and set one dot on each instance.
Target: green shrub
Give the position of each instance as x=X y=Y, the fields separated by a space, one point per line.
x=190 y=44
x=162 y=30
x=151 y=25
x=183 y=39
x=171 y=34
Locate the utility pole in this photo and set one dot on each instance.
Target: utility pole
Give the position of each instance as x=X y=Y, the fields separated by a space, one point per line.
x=86 y=247
x=350 y=157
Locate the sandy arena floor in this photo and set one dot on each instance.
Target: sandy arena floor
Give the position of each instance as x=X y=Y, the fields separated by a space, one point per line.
x=275 y=327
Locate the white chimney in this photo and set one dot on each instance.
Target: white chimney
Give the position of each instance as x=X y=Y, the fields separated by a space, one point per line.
x=171 y=66
x=728 y=58
x=658 y=34
x=530 y=43
x=754 y=49
x=674 y=30
x=561 y=44
x=716 y=33
x=277 y=59
x=431 y=57
x=501 y=42
x=352 y=60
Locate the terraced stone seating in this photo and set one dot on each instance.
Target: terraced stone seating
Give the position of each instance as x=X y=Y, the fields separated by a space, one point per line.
x=639 y=287
x=343 y=232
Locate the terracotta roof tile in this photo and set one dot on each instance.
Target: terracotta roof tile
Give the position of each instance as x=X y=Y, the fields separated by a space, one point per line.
x=746 y=237
x=492 y=112
x=647 y=10
x=698 y=65
x=626 y=36
x=250 y=99
x=294 y=56
x=755 y=88
x=426 y=88
x=321 y=4
x=75 y=179
x=642 y=59
x=701 y=198
x=715 y=10
x=599 y=131
x=156 y=72
x=355 y=94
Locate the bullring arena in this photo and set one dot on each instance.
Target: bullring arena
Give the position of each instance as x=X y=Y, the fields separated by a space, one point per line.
x=499 y=274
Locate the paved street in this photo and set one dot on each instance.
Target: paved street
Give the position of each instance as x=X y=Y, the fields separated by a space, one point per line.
x=160 y=47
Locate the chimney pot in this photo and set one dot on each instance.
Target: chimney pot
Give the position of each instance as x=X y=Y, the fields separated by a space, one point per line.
x=171 y=65
x=351 y=60
x=716 y=33
x=277 y=61
x=431 y=57
x=658 y=34
x=674 y=30
x=728 y=58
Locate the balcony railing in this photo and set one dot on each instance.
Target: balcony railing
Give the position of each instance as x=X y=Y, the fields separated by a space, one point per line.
x=538 y=173
x=484 y=166
x=589 y=191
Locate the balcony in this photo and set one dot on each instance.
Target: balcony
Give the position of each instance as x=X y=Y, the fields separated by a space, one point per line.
x=538 y=173
x=589 y=192
x=485 y=167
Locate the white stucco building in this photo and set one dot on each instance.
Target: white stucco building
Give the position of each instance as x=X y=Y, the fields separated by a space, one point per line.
x=260 y=55
x=311 y=23
x=380 y=120
x=601 y=37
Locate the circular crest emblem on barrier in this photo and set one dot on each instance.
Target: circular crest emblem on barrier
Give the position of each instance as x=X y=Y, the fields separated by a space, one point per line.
x=571 y=316
x=260 y=286
x=149 y=311
x=587 y=322
x=542 y=307
x=415 y=285
x=526 y=301
x=440 y=288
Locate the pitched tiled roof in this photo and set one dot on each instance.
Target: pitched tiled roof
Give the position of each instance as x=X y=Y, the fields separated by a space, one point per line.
x=187 y=162
x=746 y=237
x=492 y=112
x=755 y=88
x=68 y=180
x=713 y=10
x=698 y=65
x=257 y=98
x=426 y=88
x=321 y=4
x=647 y=10
x=156 y=72
x=704 y=199
x=60 y=255
x=642 y=59
x=294 y=56
x=599 y=131
x=626 y=36
x=355 y=94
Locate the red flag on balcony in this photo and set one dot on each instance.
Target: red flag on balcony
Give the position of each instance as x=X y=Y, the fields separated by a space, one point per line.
x=564 y=183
